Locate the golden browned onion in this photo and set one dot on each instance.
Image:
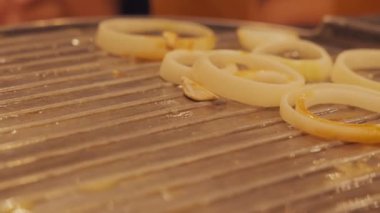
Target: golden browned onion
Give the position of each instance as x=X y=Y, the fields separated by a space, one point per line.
x=125 y=37
x=328 y=93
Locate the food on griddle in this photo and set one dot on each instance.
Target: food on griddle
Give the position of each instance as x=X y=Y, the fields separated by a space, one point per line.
x=273 y=74
x=242 y=87
x=177 y=64
x=359 y=59
x=252 y=36
x=329 y=93
x=125 y=37
x=308 y=58
x=195 y=91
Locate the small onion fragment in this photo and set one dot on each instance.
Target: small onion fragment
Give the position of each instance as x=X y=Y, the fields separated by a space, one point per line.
x=195 y=91
x=120 y=36
x=251 y=36
x=328 y=93
x=350 y=60
x=309 y=59
x=226 y=83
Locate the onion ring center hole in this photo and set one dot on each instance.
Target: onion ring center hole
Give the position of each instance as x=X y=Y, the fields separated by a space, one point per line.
x=370 y=73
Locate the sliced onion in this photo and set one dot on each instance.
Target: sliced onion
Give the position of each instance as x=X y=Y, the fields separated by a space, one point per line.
x=226 y=83
x=315 y=68
x=251 y=36
x=178 y=64
x=350 y=60
x=328 y=93
x=119 y=36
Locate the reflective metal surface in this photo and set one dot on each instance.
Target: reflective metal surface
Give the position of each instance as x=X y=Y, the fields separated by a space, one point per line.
x=82 y=131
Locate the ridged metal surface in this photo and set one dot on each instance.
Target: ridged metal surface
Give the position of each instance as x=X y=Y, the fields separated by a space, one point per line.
x=82 y=131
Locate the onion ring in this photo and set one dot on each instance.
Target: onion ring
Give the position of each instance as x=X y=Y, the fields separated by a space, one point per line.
x=118 y=36
x=229 y=85
x=349 y=60
x=178 y=64
x=251 y=36
x=315 y=68
x=328 y=93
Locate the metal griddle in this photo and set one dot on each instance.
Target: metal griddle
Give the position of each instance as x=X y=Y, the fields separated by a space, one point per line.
x=83 y=131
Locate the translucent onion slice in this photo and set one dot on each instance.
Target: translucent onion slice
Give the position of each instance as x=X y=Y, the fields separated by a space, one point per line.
x=226 y=83
x=251 y=36
x=178 y=64
x=350 y=60
x=327 y=93
x=124 y=37
x=309 y=59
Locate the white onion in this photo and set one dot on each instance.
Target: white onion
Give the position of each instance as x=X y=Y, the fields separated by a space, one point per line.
x=208 y=72
x=251 y=36
x=178 y=64
x=315 y=69
x=328 y=93
x=350 y=60
x=119 y=36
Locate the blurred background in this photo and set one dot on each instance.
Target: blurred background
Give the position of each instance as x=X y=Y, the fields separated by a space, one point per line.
x=292 y=12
